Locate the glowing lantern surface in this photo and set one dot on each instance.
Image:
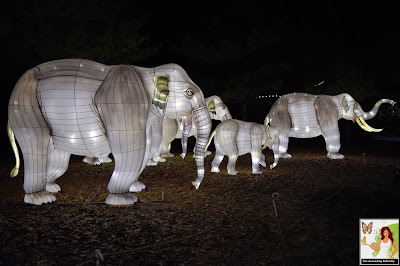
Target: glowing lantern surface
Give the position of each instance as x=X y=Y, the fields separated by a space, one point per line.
x=175 y=129
x=81 y=107
x=235 y=137
x=302 y=115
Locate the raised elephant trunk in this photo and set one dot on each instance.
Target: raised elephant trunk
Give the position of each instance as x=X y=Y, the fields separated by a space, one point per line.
x=374 y=110
x=203 y=122
x=361 y=116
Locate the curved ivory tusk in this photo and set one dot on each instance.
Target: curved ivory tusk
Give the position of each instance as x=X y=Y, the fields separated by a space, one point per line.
x=362 y=125
x=361 y=122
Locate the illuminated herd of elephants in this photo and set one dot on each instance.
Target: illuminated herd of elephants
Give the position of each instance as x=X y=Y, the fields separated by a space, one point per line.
x=81 y=107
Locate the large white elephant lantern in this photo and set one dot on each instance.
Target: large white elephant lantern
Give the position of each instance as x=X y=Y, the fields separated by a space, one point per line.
x=81 y=107
x=302 y=115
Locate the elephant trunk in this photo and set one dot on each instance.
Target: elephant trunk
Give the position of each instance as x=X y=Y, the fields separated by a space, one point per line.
x=203 y=123
x=227 y=113
x=374 y=110
x=361 y=116
x=185 y=135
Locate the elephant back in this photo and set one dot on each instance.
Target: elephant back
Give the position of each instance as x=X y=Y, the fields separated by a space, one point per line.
x=74 y=67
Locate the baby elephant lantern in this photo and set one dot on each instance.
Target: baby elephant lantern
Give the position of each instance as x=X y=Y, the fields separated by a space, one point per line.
x=302 y=115
x=174 y=129
x=81 y=107
x=234 y=138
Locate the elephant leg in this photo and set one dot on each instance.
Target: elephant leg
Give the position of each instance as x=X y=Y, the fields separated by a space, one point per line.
x=262 y=160
x=225 y=141
x=327 y=116
x=33 y=136
x=219 y=156
x=156 y=134
x=57 y=166
x=36 y=158
x=125 y=116
x=167 y=152
x=232 y=164
x=283 y=145
x=128 y=164
x=332 y=140
x=256 y=134
x=169 y=130
x=138 y=186
x=280 y=117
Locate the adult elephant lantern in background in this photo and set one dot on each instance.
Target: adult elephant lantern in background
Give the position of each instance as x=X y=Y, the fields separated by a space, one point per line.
x=302 y=115
x=81 y=107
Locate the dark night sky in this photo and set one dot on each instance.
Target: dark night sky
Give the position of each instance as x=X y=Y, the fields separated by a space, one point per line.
x=234 y=50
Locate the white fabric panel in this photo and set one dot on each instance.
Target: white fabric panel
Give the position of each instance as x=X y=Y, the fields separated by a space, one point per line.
x=303 y=115
x=234 y=138
x=76 y=106
x=174 y=130
x=78 y=128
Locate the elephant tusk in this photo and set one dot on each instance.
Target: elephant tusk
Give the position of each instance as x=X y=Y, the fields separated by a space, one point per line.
x=362 y=125
x=361 y=122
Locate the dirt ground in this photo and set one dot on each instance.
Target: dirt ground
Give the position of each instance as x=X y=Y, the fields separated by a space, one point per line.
x=229 y=220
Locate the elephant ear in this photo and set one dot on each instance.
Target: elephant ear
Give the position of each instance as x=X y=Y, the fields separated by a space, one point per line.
x=327 y=112
x=161 y=91
x=345 y=104
x=211 y=106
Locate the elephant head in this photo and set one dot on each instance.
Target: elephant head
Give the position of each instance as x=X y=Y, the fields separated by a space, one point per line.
x=351 y=110
x=185 y=100
x=218 y=110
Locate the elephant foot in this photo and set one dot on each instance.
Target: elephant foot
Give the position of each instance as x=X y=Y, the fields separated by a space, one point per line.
x=285 y=155
x=151 y=163
x=137 y=187
x=335 y=155
x=121 y=199
x=91 y=160
x=196 y=184
x=53 y=187
x=159 y=159
x=215 y=169
x=234 y=172
x=38 y=198
x=105 y=159
x=257 y=172
x=167 y=154
x=263 y=164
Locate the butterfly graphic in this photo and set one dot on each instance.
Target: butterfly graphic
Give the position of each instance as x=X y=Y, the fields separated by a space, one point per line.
x=367 y=228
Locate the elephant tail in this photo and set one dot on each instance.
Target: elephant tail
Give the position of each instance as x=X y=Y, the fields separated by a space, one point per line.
x=11 y=136
x=209 y=141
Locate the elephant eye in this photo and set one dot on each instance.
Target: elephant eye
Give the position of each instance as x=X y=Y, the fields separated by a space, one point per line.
x=189 y=92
